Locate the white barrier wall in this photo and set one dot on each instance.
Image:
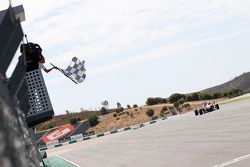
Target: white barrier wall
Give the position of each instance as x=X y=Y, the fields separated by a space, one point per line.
x=52 y=143
x=75 y=137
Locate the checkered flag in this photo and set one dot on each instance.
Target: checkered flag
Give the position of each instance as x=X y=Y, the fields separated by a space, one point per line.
x=75 y=71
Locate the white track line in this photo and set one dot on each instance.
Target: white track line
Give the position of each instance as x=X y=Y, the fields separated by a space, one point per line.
x=233 y=161
x=68 y=161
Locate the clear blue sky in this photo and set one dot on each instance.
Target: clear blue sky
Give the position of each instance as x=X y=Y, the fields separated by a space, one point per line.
x=135 y=49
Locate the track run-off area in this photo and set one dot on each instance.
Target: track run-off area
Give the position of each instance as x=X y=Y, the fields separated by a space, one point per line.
x=217 y=139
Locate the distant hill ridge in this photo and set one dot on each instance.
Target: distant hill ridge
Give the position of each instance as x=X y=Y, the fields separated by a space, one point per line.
x=241 y=82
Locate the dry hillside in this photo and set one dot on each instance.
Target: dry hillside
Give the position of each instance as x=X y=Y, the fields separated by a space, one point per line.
x=59 y=120
x=241 y=82
x=110 y=122
x=134 y=116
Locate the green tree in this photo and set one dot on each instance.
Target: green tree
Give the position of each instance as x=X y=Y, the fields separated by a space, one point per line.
x=104 y=111
x=118 y=105
x=175 y=97
x=128 y=106
x=93 y=120
x=225 y=94
x=181 y=101
x=164 y=100
x=189 y=98
x=236 y=92
x=150 y=112
x=158 y=100
x=205 y=96
x=195 y=96
x=216 y=95
x=105 y=104
x=151 y=101
x=67 y=112
x=135 y=106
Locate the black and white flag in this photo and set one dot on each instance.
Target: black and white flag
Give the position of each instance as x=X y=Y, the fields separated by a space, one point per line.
x=75 y=71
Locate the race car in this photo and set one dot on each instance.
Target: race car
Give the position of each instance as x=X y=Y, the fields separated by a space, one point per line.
x=206 y=107
x=43 y=154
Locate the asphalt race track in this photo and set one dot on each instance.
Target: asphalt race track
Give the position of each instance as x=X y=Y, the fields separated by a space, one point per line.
x=216 y=139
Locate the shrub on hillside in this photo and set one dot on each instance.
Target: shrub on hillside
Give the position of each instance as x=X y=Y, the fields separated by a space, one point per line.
x=165 y=108
x=163 y=111
x=150 y=112
x=114 y=115
x=170 y=107
x=128 y=106
x=104 y=111
x=93 y=120
x=187 y=106
x=176 y=105
x=135 y=106
x=119 y=109
x=73 y=120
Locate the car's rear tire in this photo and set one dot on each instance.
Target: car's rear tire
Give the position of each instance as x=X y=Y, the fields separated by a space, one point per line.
x=217 y=106
x=201 y=111
x=196 y=112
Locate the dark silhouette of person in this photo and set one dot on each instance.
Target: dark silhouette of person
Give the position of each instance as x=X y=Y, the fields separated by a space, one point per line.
x=34 y=57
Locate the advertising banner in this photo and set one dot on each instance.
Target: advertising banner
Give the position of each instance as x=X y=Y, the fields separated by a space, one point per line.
x=58 y=133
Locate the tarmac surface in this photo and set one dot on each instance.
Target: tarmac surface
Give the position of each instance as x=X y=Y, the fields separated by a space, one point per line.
x=217 y=139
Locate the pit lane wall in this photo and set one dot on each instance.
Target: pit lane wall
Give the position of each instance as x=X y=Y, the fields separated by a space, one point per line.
x=17 y=146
